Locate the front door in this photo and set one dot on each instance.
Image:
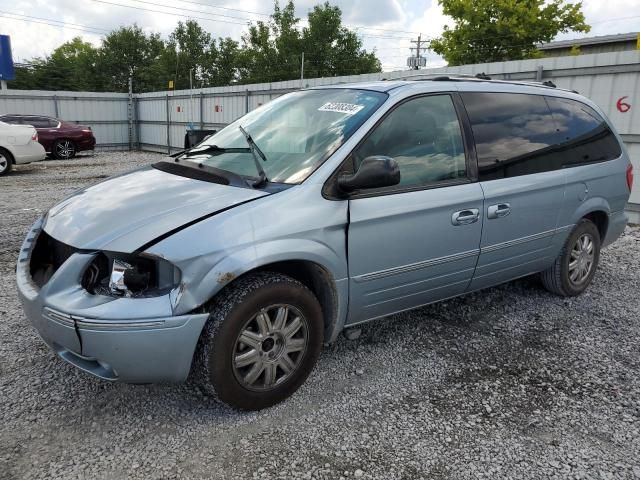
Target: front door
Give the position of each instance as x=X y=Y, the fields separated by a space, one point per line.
x=417 y=242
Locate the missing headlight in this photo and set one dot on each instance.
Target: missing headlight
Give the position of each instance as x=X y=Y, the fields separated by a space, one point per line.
x=123 y=275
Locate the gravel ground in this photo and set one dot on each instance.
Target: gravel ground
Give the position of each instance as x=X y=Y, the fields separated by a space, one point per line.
x=511 y=382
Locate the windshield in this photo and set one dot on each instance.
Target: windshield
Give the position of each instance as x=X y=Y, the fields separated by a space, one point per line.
x=296 y=132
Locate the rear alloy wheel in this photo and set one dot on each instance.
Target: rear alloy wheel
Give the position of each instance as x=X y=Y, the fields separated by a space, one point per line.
x=64 y=149
x=581 y=259
x=262 y=339
x=576 y=265
x=6 y=163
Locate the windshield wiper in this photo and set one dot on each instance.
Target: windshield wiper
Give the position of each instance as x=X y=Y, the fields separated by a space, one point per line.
x=193 y=152
x=256 y=152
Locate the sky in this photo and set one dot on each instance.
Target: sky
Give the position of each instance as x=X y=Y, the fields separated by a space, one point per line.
x=37 y=27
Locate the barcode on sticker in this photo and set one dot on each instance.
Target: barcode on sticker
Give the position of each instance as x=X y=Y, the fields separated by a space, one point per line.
x=347 y=108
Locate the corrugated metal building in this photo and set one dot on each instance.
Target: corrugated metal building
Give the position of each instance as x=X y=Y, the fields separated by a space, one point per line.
x=602 y=44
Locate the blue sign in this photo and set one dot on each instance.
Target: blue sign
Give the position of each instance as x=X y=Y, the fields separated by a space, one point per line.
x=7 y=72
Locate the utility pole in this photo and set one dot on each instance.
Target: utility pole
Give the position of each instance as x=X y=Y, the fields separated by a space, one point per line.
x=302 y=71
x=416 y=61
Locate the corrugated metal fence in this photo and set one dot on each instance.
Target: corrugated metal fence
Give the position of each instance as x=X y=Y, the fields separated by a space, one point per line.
x=105 y=113
x=160 y=119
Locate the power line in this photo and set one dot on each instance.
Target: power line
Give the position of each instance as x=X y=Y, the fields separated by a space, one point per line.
x=90 y=29
x=47 y=21
x=264 y=14
x=168 y=13
x=182 y=9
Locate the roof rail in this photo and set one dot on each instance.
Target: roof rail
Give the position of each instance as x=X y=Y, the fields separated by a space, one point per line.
x=479 y=77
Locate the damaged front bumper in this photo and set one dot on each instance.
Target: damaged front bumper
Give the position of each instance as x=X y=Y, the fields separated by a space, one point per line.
x=133 y=340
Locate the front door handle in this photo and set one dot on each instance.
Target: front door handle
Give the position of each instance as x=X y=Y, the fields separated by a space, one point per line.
x=499 y=210
x=465 y=217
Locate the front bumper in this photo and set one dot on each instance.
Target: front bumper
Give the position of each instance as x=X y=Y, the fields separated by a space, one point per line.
x=133 y=340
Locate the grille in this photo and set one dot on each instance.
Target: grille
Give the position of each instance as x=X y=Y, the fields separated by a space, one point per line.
x=47 y=257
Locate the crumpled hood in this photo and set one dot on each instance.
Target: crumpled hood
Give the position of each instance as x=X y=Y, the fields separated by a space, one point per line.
x=126 y=212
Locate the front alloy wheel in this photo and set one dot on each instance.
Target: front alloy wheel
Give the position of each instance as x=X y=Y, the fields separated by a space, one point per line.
x=261 y=341
x=270 y=348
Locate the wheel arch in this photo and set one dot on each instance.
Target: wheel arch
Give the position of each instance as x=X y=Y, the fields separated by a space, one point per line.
x=317 y=279
x=316 y=266
x=12 y=157
x=312 y=275
x=596 y=209
x=601 y=220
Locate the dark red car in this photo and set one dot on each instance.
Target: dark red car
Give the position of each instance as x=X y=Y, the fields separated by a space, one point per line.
x=59 y=138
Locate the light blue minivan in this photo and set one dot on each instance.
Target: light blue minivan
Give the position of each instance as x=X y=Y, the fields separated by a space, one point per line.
x=236 y=260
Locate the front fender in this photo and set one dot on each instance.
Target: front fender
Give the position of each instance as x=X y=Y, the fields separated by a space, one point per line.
x=208 y=282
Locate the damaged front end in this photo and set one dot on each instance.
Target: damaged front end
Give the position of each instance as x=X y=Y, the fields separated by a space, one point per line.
x=109 y=314
x=110 y=274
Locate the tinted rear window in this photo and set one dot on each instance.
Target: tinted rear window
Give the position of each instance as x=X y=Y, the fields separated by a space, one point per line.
x=37 y=122
x=513 y=132
x=520 y=134
x=14 y=120
x=585 y=136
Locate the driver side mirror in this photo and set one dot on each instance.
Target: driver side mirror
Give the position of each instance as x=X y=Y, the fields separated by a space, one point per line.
x=375 y=172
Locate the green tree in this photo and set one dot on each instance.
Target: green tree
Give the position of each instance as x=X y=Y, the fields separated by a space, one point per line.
x=192 y=49
x=331 y=49
x=71 y=66
x=186 y=51
x=224 y=57
x=127 y=52
x=272 y=51
x=499 y=30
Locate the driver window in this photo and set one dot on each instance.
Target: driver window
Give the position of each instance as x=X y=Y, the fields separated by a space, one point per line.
x=423 y=135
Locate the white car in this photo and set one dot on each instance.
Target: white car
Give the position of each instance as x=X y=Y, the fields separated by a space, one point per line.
x=18 y=145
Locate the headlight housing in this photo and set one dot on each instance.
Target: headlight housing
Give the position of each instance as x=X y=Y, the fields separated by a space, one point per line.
x=130 y=275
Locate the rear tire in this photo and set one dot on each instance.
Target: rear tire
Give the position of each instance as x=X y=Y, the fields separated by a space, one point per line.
x=6 y=162
x=576 y=265
x=64 y=149
x=281 y=322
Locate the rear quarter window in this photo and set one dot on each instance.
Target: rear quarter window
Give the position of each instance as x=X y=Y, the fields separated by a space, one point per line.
x=584 y=135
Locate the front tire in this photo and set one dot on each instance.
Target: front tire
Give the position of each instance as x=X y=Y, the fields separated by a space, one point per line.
x=64 y=149
x=6 y=162
x=261 y=341
x=575 y=267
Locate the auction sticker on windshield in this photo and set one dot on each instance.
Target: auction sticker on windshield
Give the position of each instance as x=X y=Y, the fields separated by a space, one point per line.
x=347 y=108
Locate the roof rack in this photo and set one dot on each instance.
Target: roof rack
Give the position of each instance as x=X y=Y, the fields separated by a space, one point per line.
x=478 y=77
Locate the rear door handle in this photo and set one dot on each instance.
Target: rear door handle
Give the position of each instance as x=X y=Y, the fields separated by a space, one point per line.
x=465 y=217
x=499 y=210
